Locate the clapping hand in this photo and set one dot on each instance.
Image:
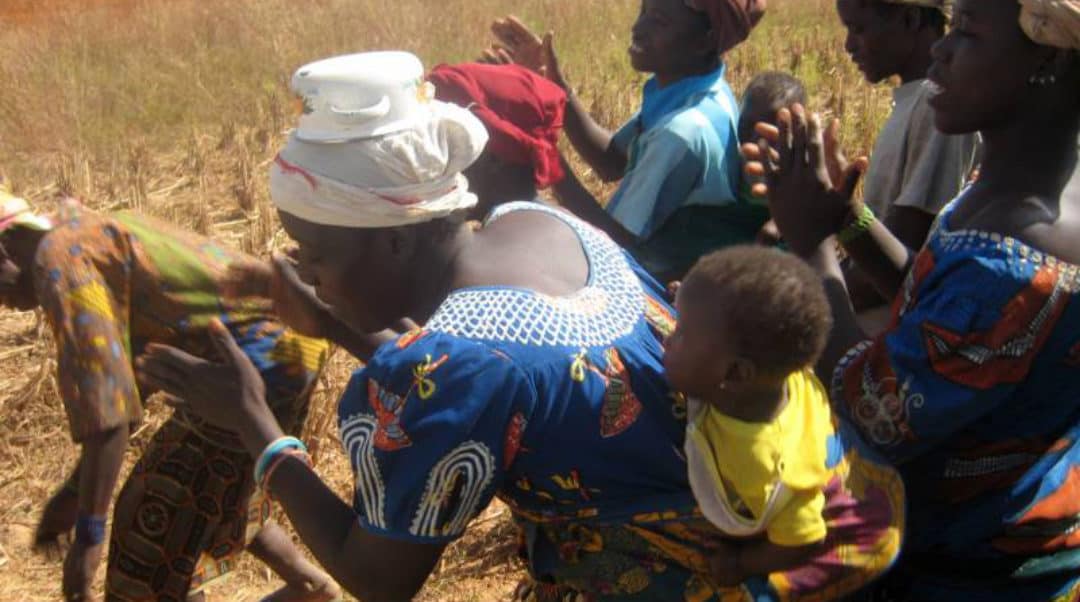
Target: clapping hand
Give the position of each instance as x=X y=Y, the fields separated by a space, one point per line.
x=810 y=190
x=226 y=394
x=517 y=44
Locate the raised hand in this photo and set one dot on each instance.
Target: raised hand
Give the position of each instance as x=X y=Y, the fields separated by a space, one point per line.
x=516 y=43
x=805 y=204
x=835 y=161
x=225 y=394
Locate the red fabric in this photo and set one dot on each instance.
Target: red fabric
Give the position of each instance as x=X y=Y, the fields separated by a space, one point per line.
x=732 y=20
x=522 y=111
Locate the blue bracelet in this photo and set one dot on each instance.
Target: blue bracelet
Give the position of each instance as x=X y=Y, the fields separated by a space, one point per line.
x=272 y=450
x=90 y=530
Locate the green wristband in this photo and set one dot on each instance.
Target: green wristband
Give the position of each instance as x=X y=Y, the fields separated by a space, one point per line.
x=857 y=224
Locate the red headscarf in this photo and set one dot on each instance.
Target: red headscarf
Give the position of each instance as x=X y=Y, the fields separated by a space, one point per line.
x=522 y=111
x=732 y=20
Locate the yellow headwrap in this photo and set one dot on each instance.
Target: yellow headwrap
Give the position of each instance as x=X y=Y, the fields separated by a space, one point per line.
x=1052 y=22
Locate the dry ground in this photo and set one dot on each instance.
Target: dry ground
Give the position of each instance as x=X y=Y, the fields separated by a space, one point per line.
x=174 y=108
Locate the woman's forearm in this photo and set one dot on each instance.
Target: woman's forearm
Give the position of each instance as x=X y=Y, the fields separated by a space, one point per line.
x=323 y=521
x=575 y=198
x=592 y=141
x=320 y=517
x=760 y=558
x=367 y=566
x=882 y=258
x=845 y=333
x=360 y=345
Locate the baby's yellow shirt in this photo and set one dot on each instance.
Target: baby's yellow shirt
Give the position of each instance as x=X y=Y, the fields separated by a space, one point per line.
x=747 y=461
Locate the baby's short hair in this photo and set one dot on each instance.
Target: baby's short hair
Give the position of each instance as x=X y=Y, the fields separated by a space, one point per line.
x=775 y=308
x=766 y=94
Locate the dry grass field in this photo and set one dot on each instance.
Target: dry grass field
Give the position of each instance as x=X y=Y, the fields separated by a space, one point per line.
x=175 y=107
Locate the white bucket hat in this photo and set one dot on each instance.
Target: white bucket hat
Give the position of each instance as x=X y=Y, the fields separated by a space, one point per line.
x=373 y=149
x=360 y=96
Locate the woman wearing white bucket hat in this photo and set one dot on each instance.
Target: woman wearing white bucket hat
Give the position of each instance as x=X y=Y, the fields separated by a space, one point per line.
x=537 y=376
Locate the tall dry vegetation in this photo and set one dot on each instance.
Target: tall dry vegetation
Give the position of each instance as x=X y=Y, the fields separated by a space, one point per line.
x=175 y=107
x=181 y=97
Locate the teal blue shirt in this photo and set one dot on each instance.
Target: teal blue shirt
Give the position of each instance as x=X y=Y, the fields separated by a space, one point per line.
x=683 y=150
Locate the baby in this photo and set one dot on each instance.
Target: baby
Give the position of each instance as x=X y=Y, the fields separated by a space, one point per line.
x=752 y=323
x=764 y=96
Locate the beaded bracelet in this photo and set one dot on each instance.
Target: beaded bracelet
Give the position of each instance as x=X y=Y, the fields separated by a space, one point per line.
x=272 y=450
x=90 y=530
x=856 y=224
x=299 y=454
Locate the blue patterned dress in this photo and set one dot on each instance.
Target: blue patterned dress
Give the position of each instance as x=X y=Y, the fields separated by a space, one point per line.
x=974 y=391
x=559 y=406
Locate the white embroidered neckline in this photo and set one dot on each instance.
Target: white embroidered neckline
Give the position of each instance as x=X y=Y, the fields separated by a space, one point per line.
x=606 y=309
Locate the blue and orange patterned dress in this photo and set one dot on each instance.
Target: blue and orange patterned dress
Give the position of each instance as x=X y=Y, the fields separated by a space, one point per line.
x=974 y=391
x=559 y=406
